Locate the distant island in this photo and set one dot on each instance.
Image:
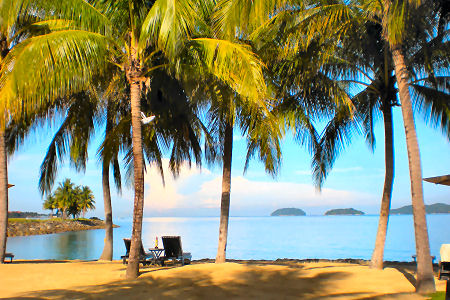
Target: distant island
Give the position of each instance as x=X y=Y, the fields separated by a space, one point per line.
x=288 y=212
x=26 y=214
x=344 y=212
x=437 y=208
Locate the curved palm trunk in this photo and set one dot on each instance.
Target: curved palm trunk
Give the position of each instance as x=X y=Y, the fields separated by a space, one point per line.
x=378 y=252
x=138 y=160
x=3 y=196
x=425 y=280
x=226 y=189
x=107 y=253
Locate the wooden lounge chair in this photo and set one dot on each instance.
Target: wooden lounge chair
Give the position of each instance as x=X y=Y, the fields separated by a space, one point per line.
x=145 y=258
x=174 y=251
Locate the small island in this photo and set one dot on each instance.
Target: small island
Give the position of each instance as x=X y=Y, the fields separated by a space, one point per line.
x=344 y=212
x=437 y=208
x=288 y=212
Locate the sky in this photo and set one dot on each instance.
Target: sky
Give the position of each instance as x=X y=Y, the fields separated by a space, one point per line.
x=356 y=180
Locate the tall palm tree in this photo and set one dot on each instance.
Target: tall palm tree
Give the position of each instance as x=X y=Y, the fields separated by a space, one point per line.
x=378 y=13
x=393 y=15
x=300 y=95
x=19 y=21
x=177 y=127
x=227 y=111
x=140 y=31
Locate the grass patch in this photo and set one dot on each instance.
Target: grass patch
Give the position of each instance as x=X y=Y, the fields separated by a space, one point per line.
x=437 y=296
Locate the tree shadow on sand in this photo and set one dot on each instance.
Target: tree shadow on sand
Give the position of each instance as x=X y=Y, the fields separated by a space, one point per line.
x=253 y=283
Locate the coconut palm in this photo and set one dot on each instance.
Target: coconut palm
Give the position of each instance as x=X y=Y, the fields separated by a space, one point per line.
x=300 y=95
x=50 y=203
x=225 y=112
x=428 y=83
x=177 y=127
x=85 y=199
x=19 y=21
x=132 y=45
x=394 y=15
x=65 y=196
x=382 y=86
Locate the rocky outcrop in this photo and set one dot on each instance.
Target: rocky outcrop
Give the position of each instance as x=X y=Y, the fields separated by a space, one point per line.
x=35 y=227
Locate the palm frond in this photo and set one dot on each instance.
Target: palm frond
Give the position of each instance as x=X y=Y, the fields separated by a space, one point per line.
x=168 y=24
x=336 y=135
x=83 y=14
x=232 y=63
x=434 y=105
x=68 y=60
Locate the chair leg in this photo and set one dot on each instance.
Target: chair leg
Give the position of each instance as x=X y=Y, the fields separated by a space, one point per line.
x=447 y=291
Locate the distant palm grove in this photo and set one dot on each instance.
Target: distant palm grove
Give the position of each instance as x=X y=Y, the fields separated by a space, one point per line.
x=211 y=69
x=69 y=199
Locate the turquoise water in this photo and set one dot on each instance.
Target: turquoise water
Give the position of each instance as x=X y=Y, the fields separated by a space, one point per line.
x=328 y=237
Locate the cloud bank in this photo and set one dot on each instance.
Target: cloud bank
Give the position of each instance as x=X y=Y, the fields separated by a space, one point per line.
x=197 y=193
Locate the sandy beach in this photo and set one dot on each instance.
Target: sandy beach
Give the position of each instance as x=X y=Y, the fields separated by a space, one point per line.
x=206 y=280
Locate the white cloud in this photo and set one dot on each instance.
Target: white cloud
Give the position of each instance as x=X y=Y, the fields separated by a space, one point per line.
x=195 y=189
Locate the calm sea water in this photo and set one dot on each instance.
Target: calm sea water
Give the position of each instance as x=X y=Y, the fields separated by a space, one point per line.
x=328 y=237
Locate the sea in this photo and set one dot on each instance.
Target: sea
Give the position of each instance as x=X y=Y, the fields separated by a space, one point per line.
x=258 y=238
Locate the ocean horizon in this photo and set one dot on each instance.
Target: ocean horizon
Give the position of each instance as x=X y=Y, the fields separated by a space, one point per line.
x=257 y=238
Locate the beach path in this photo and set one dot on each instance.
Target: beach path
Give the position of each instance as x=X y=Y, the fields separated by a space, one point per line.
x=233 y=280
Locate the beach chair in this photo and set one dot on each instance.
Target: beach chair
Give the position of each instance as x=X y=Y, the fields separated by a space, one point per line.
x=444 y=268
x=145 y=258
x=9 y=255
x=174 y=251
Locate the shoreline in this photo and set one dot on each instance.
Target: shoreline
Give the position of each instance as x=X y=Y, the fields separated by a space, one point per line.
x=28 y=227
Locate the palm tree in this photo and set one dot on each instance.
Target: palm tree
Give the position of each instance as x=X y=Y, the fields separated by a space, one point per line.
x=390 y=18
x=138 y=40
x=393 y=16
x=65 y=196
x=176 y=125
x=226 y=112
x=50 y=203
x=19 y=21
x=85 y=199
x=300 y=95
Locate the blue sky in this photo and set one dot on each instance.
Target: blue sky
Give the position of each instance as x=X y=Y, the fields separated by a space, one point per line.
x=356 y=180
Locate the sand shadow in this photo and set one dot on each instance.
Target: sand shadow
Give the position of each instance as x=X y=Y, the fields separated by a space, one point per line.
x=253 y=282
x=409 y=276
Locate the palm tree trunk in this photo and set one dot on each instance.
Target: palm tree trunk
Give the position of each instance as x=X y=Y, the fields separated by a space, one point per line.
x=3 y=196
x=107 y=253
x=138 y=160
x=425 y=280
x=226 y=189
x=378 y=252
